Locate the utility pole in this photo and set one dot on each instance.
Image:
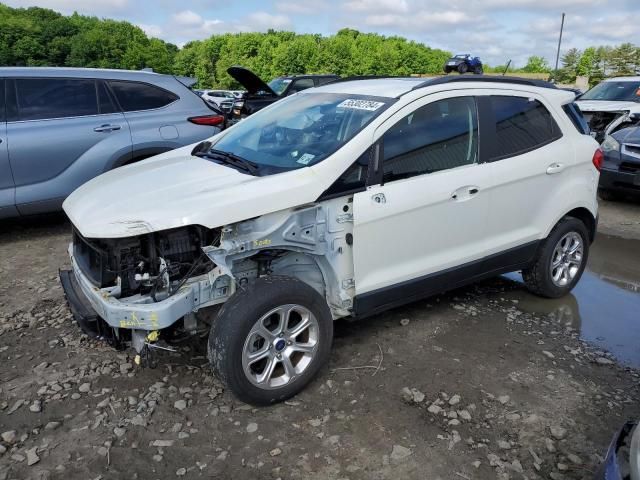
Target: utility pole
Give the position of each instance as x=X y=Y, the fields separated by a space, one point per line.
x=555 y=72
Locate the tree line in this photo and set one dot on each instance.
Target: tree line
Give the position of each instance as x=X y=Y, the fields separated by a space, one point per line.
x=42 y=37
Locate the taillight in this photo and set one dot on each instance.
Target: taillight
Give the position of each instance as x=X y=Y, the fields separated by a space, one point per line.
x=211 y=120
x=598 y=158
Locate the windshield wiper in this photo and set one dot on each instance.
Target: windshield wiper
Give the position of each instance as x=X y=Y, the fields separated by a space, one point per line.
x=228 y=158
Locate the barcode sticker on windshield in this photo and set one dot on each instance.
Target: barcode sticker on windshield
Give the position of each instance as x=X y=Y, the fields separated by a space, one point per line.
x=361 y=104
x=306 y=158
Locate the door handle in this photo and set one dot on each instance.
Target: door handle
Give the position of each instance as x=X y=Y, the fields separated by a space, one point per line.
x=555 y=168
x=106 y=128
x=379 y=198
x=464 y=193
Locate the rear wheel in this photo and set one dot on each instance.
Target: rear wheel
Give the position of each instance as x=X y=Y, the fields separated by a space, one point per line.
x=478 y=70
x=462 y=68
x=270 y=339
x=560 y=260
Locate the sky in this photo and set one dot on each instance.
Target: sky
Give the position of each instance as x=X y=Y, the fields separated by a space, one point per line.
x=494 y=30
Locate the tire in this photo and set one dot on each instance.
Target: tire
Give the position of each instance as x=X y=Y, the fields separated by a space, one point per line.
x=540 y=279
x=478 y=70
x=462 y=68
x=446 y=70
x=249 y=323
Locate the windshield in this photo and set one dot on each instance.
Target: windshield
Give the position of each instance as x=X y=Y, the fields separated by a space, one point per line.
x=621 y=91
x=301 y=130
x=460 y=56
x=279 y=85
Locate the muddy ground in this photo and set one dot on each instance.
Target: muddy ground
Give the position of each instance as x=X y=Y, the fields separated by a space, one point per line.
x=484 y=382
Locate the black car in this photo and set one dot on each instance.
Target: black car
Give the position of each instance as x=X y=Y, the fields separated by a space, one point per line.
x=260 y=94
x=621 y=167
x=463 y=63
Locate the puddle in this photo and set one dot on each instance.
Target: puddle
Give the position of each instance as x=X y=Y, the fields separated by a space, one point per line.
x=605 y=305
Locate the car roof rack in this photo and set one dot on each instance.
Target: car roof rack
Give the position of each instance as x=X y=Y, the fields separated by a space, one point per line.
x=484 y=78
x=364 y=77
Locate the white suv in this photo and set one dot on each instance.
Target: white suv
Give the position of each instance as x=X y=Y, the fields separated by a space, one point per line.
x=343 y=200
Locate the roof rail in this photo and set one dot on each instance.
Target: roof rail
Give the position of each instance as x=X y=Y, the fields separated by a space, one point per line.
x=362 y=77
x=484 y=78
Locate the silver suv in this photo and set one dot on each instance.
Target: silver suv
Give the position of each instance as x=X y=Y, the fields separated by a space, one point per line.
x=60 y=127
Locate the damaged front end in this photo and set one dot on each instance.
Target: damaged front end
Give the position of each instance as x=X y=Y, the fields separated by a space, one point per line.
x=123 y=290
x=604 y=123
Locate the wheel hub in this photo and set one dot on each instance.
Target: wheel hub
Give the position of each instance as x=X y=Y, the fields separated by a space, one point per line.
x=279 y=345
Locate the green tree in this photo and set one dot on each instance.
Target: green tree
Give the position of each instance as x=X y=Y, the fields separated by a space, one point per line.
x=536 y=64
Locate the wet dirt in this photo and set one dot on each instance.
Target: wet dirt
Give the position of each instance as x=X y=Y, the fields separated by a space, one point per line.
x=484 y=382
x=605 y=305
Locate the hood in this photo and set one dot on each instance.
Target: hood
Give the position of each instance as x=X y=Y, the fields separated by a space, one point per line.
x=607 y=106
x=250 y=80
x=176 y=189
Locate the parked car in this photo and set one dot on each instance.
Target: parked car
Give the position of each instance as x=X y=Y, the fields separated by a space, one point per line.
x=218 y=96
x=621 y=166
x=463 y=63
x=622 y=460
x=60 y=127
x=611 y=104
x=332 y=203
x=260 y=94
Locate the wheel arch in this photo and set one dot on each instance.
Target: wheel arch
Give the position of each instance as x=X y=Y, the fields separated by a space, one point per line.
x=586 y=217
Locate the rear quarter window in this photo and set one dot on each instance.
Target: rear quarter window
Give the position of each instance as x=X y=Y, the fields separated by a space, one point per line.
x=575 y=115
x=137 y=96
x=522 y=124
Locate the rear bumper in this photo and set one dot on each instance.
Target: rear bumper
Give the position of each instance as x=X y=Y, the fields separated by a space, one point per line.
x=616 y=180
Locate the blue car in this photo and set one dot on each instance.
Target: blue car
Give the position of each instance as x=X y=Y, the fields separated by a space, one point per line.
x=463 y=63
x=60 y=127
x=622 y=461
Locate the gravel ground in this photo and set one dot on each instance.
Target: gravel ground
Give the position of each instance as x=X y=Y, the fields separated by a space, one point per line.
x=467 y=385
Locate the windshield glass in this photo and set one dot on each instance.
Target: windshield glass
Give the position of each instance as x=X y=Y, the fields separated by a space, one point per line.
x=279 y=85
x=460 y=56
x=621 y=91
x=301 y=130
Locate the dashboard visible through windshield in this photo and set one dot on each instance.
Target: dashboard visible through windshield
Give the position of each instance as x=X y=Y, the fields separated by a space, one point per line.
x=300 y=130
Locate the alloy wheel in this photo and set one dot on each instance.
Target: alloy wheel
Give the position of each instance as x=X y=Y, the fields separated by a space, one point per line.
x=280 y=346
x=566 y=259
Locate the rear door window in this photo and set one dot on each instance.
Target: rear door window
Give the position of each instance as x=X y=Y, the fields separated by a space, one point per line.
x=136 y=96
x=522 y=124
x=44 y=98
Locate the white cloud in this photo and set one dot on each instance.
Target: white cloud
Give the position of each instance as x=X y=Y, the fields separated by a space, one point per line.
x=394 y=6
x=264 y=21
x=297 y=8
x=188 y=18
x=151 y=30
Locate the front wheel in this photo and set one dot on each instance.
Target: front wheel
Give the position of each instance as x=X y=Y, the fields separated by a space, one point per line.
x=560 y=260
x=270 y=339
x=462 y=68
x=478 y=70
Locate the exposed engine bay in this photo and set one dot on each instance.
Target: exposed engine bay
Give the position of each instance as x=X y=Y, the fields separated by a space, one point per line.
x=603 y=123
x=145 y=264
